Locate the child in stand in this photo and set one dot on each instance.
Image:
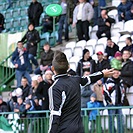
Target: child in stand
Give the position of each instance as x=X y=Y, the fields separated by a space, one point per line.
x=98 y=89
x=92 y=117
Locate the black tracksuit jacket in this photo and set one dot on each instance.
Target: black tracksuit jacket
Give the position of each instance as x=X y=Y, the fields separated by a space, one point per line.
x=65 y=103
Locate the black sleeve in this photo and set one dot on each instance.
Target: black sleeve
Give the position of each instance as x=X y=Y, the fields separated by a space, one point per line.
x=111 y=20
x=92 y=78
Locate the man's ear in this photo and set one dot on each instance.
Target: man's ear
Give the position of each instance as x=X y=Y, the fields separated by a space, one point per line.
x=52 y=68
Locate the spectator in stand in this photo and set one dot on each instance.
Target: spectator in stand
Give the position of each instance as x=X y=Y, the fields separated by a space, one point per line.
x=123 y=9
x=33 y=89
x=82 y=15
x=34 y=12
x=98 y=90
x=92 y=116
x=85 y=92
x=101 y=64
x=117 y=60
x=19 y=106
x=2 y=21
x=46 y=59
x=63 y=21
x=37 y=106
x=21 y=61
x=111 y=48
x=104 y=25
x=47 y=24
x=9 y=4
x=47 y=83
x=127 y=69
x=25 y=88
x=129 y=15
x=31 y=38
x=114 y=93
x=85 y=63
x=129 y=45
x=3 y=105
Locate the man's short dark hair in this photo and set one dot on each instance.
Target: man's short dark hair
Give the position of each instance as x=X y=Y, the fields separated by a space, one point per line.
x=19 y=42
x=24 y=78
x=60 y=62
x=130 y=39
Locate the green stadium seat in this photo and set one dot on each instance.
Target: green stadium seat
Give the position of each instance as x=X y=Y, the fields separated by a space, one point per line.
x=8 y=14
x=55 y=34
x=16 y=12
x=8 y=24
x=23 y=11
x=24 y=21
x=46 y=36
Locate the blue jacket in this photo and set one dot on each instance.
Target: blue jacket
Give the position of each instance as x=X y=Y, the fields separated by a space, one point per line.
x=93 y=113
x=124 y=8
x=16 y=60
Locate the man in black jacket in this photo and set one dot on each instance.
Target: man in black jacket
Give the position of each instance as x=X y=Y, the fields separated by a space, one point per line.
x=127 y=69
x=65 y=97
x=34 y=12
x=31 y=38
x=46 y=59
x=25 y=88
x=111 y=48
x=104 y=24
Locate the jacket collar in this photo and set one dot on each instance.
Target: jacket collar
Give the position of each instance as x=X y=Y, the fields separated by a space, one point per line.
x=60 y=76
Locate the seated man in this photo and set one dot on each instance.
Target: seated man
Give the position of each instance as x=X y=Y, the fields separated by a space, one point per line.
x=104 y=25
x=123 y=9
x=47 y=24
x=46 y=59
x=129 y=45
x=111 y=48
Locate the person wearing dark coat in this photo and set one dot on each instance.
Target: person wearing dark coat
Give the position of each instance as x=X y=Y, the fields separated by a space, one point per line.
x=47 y=84
x=47 y=23
x=3 y=105
x=129 y=45
x=25 y=88
x=31 y=38
x=101 y=64
x=127 y=69
x=123 y=9
x=129 y=15
x=111 y=48
x=85 y=63
x=2 y=19
x=46 y=59
x=34 y=12
x=21 y=62
x=104 y=24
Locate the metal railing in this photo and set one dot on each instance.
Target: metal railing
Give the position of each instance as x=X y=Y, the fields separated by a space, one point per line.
x=101 y=125
x=7 y=71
